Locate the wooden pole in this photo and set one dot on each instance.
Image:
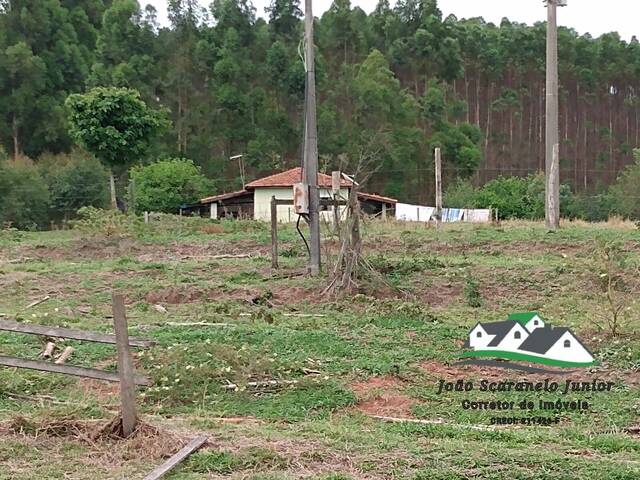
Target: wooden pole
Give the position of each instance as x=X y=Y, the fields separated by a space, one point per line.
x=438 y=156
x=335 y=191
x=274 y=232
x=125 y=367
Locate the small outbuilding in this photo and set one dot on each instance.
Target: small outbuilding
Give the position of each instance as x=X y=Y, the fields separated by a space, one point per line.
x=254 y=201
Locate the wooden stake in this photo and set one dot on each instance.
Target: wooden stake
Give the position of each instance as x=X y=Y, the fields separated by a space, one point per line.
x=274 y=233
x=438 y=188
x=125 y=367
x=48 y=350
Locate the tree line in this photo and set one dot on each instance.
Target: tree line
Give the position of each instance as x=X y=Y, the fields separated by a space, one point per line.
x=392 y=85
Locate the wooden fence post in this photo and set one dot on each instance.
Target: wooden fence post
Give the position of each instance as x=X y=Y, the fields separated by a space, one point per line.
x=125 y=367
x=274 y=232
x=438 y=156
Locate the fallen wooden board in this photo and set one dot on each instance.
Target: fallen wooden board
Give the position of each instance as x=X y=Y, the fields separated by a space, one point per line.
x=167 y=466
x=68 y=370
x=60 y=332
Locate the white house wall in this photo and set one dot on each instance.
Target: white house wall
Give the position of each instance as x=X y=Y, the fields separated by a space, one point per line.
x=575 y=353
x=479 y=342
x=286 y=214
x=531 y=326
x=509 y=343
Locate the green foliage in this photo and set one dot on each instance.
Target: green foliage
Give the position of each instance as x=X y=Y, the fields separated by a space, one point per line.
x=625 y=194
x=75 y=180
x=405 y=265
x=165 y=185
x=114 y=124
x=472 y=292
x=24 y=198
x=460 y=194
x=105 y=223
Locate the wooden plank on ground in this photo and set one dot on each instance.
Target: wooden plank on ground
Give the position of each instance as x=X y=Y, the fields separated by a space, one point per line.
x=71 y=333
x=163 y=469
x=67 y=369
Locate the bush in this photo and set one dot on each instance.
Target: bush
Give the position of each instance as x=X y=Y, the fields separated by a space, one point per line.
x=625 y=194
x=24 y=198
x=75 y=180
x=461 y=194
x=95 y=221
x=165 y=185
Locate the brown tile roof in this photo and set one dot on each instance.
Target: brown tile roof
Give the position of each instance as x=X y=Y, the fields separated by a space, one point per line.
x=289 y=177
x=224 y=196
x=376 y=198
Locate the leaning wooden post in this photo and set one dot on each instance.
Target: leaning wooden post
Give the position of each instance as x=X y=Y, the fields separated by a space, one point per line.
x=125 y=367
x=274 y=232
x=438 y=188
x=335 y=193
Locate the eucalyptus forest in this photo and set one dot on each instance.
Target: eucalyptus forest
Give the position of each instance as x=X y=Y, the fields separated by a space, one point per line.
x=392 y=85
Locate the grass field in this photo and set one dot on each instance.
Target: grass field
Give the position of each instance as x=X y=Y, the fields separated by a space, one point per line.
x=339 y=362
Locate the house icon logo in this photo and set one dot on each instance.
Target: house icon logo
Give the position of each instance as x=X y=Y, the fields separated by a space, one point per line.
x=527 y=337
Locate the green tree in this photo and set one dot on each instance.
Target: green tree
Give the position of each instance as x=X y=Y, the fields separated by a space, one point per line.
x=115 y=125
x=165 y=185
x=24 y=198
x=75 y=180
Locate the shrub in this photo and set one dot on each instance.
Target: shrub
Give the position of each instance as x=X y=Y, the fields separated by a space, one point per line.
x=625 y=194
x=75 y=180
x=165 y=185
x=95 y=221
x=461 y=194
x=24 y=198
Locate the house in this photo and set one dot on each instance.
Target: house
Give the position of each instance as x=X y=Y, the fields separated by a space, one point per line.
x=506 y=335
x=254 y=201
x=529 y=335
x=530 y=320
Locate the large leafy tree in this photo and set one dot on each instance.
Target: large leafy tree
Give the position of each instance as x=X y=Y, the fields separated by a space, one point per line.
x=165 y=185
x=115 y=125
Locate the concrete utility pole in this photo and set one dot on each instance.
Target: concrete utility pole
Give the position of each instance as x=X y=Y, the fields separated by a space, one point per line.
x=552 y=136
x=311 y=143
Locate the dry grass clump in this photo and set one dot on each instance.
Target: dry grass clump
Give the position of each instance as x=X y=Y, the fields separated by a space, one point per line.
x=146 y=442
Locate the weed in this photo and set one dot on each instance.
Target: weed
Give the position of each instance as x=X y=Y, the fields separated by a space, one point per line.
x=472 y=292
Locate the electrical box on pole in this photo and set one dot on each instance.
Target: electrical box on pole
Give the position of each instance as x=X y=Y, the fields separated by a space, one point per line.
x=301 y=198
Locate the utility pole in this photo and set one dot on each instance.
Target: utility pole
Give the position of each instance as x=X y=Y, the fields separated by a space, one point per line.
x=552 y=135
x=311 y=143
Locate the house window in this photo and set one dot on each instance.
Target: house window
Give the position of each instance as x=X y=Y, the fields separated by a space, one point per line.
x=479 y=334
x=517 y=335
x=535 y=322
x=567 y=344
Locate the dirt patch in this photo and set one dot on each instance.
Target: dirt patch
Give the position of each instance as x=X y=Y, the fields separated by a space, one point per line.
x=284 y=295
x=173 y=296
x=441 y=295
x=388 y=405
x=382 y=396
x=103 y=392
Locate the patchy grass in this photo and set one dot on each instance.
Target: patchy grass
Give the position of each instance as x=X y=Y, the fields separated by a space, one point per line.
x=285 y=382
